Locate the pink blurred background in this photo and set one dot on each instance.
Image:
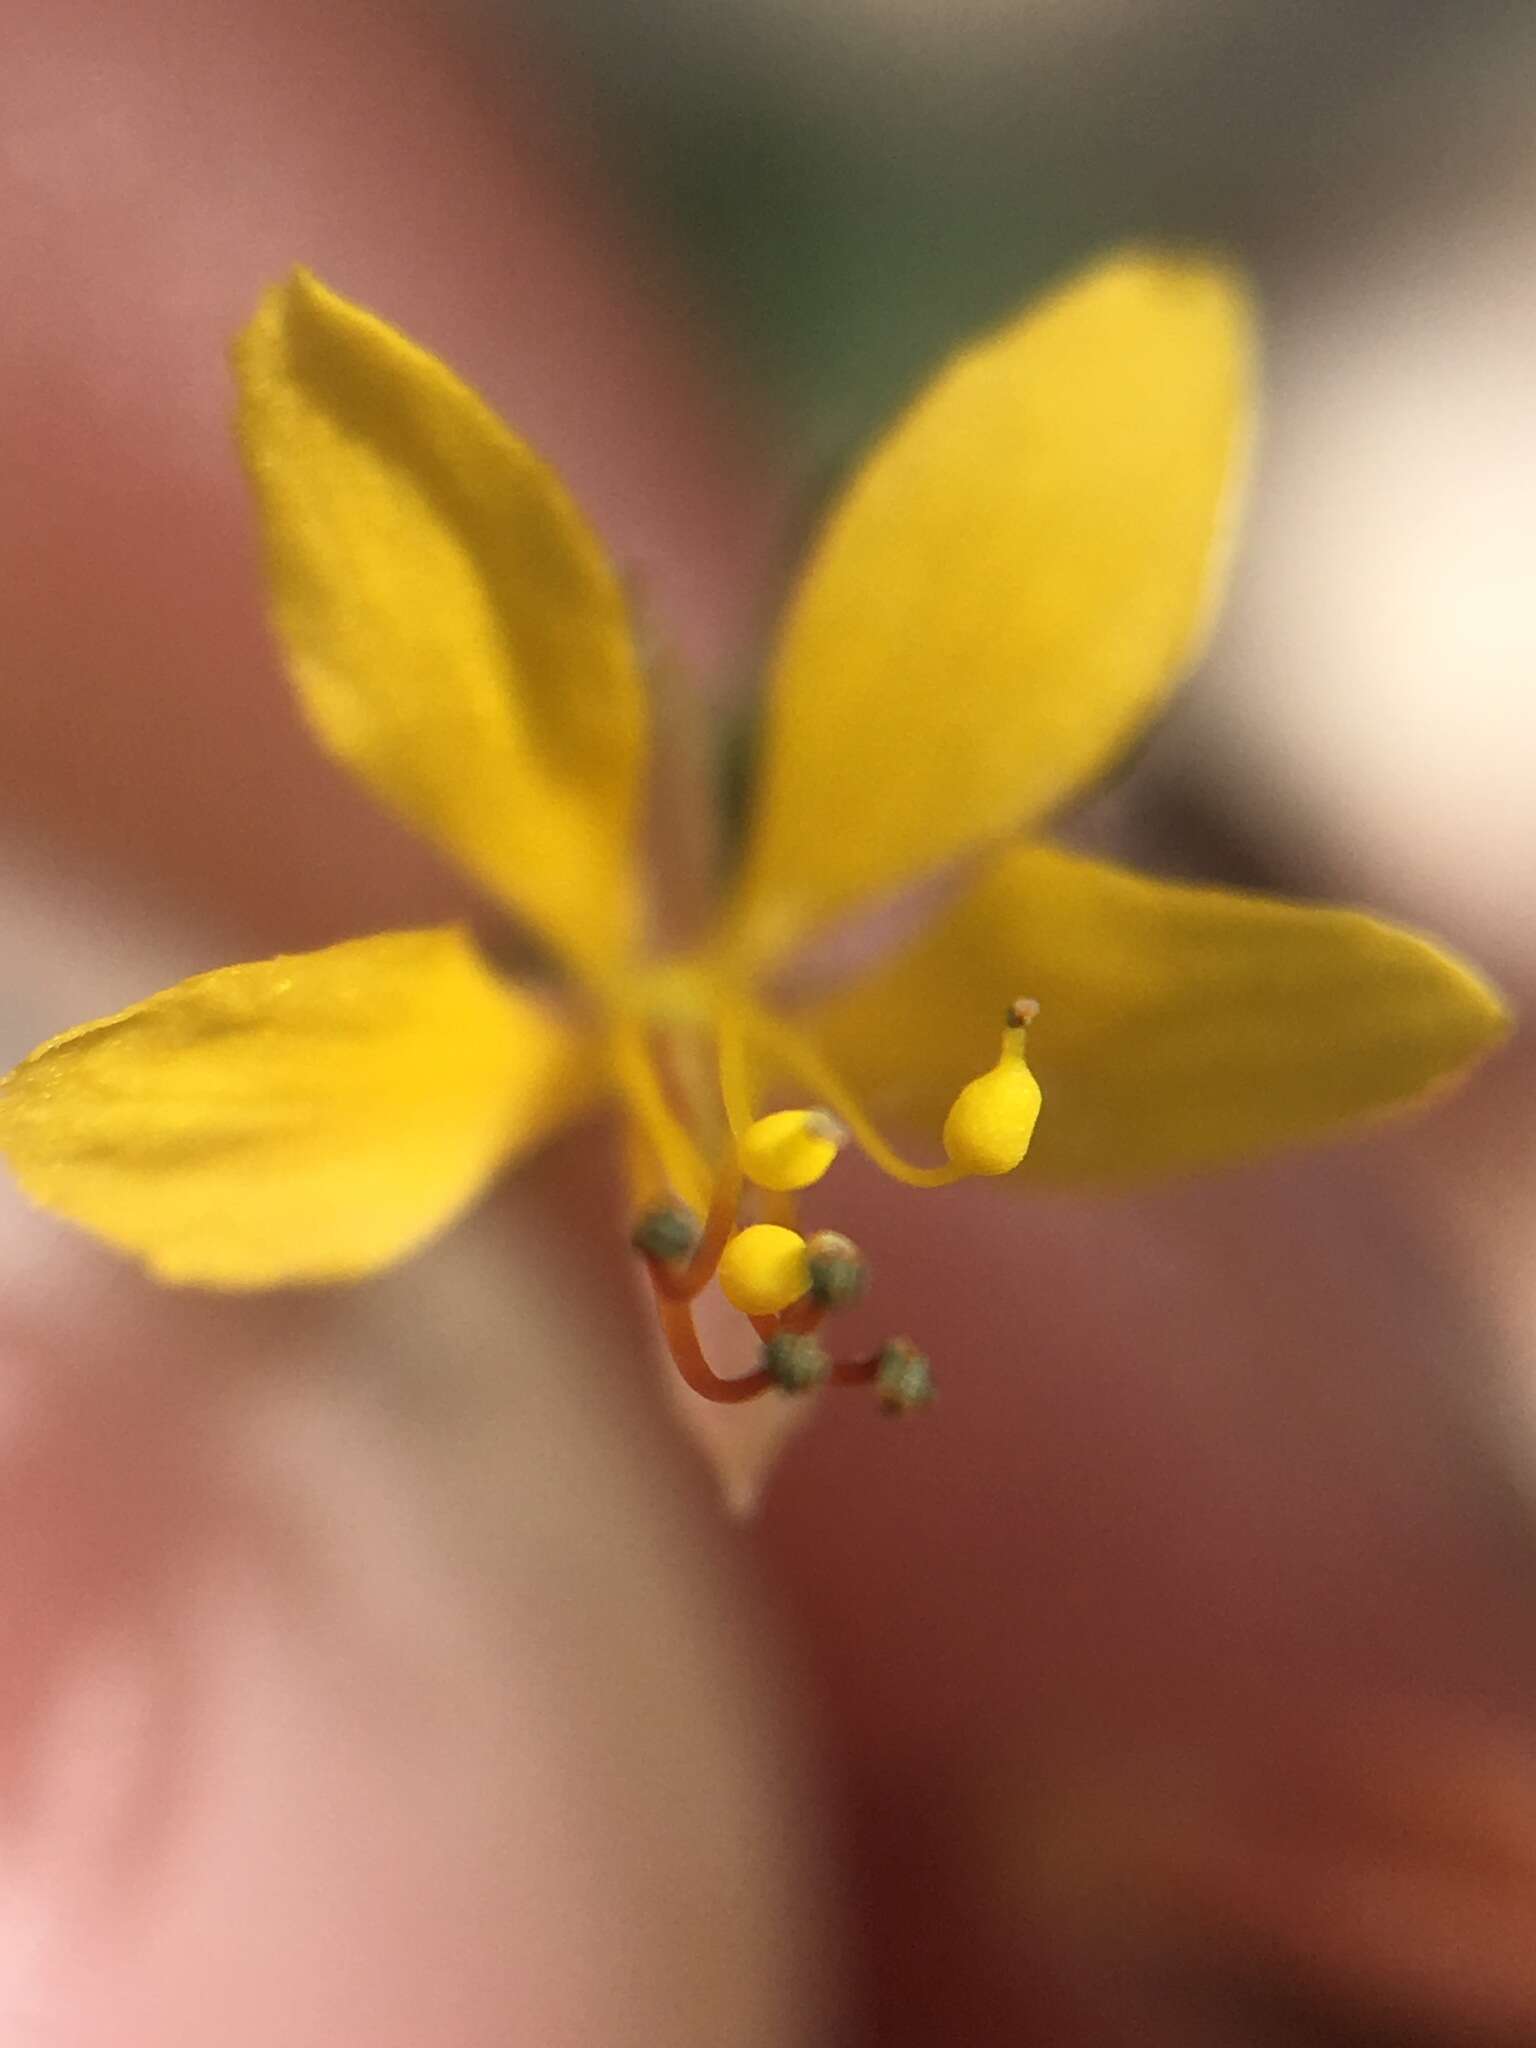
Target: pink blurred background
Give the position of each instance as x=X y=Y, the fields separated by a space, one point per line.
x=378 y=1667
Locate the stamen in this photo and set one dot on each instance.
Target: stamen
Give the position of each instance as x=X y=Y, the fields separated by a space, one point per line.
x=904 y=1379
x=793 y=1358
x=764 y=1268
x=839 y=1271
x=667 y=1233
x=790 y=1149
x=992 y=1119
x=898 y=1370
x=784 y=1285
x=796 y=1363
x=792 y=1051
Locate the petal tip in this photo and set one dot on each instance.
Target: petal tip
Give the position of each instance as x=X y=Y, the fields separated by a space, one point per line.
x=1489 y=1016
x=1198 y=276
x=261 y=347
x=1206 y=289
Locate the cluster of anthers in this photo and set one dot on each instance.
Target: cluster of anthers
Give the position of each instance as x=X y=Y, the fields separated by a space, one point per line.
x=787 y=1285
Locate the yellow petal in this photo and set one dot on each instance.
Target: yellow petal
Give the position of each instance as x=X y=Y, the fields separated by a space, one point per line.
x=1179 y=1027
x=455 y=633
x=1015 y=577
x=306 y=1118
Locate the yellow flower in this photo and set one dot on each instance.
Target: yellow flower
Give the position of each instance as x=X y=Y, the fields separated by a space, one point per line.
x=998 y=603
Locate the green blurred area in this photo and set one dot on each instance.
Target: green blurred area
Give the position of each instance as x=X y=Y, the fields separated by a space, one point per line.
x=858 y=187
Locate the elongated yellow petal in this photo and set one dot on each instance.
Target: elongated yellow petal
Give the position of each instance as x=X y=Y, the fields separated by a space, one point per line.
x=300 y=1119
x=1015 y=577
x=455 y=633
x=1179 y=1027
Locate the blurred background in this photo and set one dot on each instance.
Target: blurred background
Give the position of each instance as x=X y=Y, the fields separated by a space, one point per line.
x=1177 y=1682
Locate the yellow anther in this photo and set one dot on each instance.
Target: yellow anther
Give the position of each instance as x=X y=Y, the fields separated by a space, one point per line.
x=764 y=1268
x=790 y=1149
x=992 y=1119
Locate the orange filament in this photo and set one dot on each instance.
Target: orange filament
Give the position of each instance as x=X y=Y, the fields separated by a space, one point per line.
x=688 y=1353
x=684 y=1283
x=855 y=1372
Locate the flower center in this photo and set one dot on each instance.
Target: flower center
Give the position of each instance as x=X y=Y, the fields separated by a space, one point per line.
x=716 y=1180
